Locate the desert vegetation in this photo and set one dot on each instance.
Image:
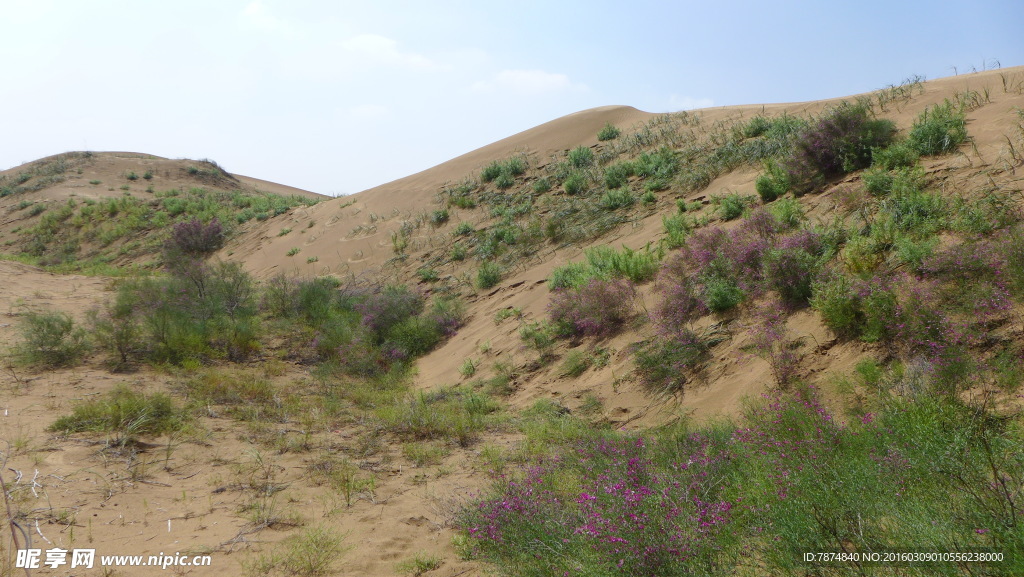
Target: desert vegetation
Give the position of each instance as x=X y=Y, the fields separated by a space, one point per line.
x=856 y=267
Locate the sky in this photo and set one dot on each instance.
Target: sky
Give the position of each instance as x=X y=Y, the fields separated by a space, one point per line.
x=339 y=96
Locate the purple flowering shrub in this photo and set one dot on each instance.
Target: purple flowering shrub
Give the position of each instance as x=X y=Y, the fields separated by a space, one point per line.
x=598 y=308
x=622 y=511
x=195 y=238
x=771 y=342
x=840 y=141
x=719 y=499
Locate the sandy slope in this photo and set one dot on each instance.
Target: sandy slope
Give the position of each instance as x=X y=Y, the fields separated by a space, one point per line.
x=192 y=494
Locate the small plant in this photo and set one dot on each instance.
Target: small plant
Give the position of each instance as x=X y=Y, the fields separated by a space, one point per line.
x=468 y=368
x=677 y=228
x=608 y=132
x=463 y=229
x=575 y=364
x=125 y=412
x=148 y=175
x=575 y=184
x=665 y=365
x=773 y=183
x=616 y=175
x=312 y=259
x=488 y=275
x=132 y=176
x=419 y=564
x=491 y=171
x=439 y=217
x=617 y=198
x=95 y=182
x=581 y=157
x=313 y=553
x=938 y=130
x=538 y=336
x=284 y=231
x=427 y=274
x=731 y=206
x=293 y=251
x=542 y=185
x=507 y=312
x=504 y=181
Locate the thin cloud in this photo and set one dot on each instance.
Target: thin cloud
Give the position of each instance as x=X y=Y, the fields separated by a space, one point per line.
x=383 y=50
x=531 y=82
x=676 y=102
x=257 y=16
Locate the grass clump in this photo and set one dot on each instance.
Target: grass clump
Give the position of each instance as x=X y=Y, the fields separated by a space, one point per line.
x=126 y=413
x=938 y=130
x=419 y=564
x=603 y=262
x=617 y=198
x=312 y=553
x=575 y=364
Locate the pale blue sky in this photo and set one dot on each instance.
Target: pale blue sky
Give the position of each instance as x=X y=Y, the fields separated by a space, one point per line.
x=337 y=97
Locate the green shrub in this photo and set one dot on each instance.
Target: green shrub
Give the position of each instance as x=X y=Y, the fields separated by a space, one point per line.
x=571 y=275
x=581 y=157
x=575 y=183
x=837 y=302
x=463 y=229
x=608 y=132
x=439 y=217
x=539 y=336
x=756 y=126
x=721 y=294
x=51 y=339
x=515 y=166
x=788 y=213
x=488 y=275
x=504 y=181
x=731 y=206
x=899 y=155
x=491 y=171
x=938 y=130
x=773 y=183
x=542 y=185
x=312 y=553
x=616 y=175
